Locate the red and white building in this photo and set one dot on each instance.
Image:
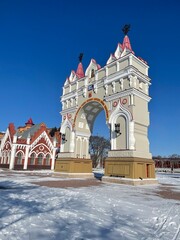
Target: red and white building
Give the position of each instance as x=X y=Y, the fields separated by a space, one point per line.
x=28 y=147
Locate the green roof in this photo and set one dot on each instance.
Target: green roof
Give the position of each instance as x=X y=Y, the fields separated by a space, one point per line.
x=29 y=132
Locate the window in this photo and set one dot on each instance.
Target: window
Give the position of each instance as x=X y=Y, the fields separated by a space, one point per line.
x=47 y=162
x=9 y=157
x=5 y=157
x=19 y=158
x=40 y=159
x=32 y=159
x=92 y=73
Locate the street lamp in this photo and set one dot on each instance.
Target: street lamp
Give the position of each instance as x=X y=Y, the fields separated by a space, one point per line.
x=117 y=128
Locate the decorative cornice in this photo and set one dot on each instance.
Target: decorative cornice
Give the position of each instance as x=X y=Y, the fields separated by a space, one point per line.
x=67 y=96
x=69 y=110
x=82 y=134
x=124 y=93
x=130 y=70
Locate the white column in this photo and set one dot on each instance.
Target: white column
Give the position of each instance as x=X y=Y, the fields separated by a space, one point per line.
x=113 y=138
x=130 y=60
x=62 y=145
x=131 y=136
x=26 y=158
x=118 y=66
x=87 y=148
x=53 y=159
x=72 y=142
x=106 y=71
x=113 y=87
x=121 y=83
x=131 y=99
x=13 y=152
x=81 y=146
x=106 y=89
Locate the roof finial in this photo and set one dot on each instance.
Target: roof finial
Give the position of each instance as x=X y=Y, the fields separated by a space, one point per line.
x=80 y=57
x=80 y=71
x=126 y=28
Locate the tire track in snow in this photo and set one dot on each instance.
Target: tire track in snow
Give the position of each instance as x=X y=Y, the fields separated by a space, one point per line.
x=162 y=231
x=163 y=223
x=176 y=234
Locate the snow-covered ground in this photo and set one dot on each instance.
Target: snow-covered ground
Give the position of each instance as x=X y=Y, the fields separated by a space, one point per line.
x=108 y=211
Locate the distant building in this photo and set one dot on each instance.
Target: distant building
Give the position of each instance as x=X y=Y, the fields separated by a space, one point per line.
x=28 y=147
x=162 y=162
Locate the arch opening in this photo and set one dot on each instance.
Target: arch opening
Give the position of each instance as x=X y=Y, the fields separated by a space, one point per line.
x=91 y=119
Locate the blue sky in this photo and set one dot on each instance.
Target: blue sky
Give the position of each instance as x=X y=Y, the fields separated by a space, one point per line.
x=40 y=41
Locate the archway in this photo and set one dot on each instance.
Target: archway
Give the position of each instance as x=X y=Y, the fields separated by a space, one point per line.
x=120 y=89
x=84 y=123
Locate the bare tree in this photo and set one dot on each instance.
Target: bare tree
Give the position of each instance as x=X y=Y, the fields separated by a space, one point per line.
x=99 y=147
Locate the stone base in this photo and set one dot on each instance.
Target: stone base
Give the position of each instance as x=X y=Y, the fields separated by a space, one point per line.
x=73 y=175
x=130 y=167
x=73 y=166
x=128 y=181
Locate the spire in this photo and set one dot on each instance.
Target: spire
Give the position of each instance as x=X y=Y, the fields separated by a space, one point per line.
x=80 y=71
x=29 y=122
x=126 y=41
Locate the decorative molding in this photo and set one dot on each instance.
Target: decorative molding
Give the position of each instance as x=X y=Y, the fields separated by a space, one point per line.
x=68 y=110
x=82 y=134
x=36 y=146
x=64 y=125
x=68 y=95
x=127 y=92
x=46 y=137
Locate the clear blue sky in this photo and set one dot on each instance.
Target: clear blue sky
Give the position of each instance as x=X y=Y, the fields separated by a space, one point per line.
x=40 y=41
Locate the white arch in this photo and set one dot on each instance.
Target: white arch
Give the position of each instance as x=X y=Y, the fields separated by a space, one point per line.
x=20 y=152
x=45 y=146
x=40 y=153
x=30 y=153
x=121 y=111
x=65 y=124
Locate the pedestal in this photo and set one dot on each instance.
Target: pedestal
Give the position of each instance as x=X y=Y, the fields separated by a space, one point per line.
x=130 y=167
x=74 y=167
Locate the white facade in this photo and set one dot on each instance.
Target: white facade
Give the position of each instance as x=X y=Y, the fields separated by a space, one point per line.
x=121 y=90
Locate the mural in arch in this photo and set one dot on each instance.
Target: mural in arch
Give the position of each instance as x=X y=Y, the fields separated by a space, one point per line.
x=121 y=90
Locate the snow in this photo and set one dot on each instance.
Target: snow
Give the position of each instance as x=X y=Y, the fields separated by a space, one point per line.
x=108 y=211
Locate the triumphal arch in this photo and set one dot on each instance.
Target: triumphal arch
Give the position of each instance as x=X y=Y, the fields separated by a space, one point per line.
x=121 y=90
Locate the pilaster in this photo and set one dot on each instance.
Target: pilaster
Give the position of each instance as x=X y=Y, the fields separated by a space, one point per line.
x=26 y=157
x=13 y=152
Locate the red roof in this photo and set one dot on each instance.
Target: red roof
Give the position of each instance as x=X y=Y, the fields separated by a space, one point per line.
x=126 y=43
x=80 y=71
x=30 y=121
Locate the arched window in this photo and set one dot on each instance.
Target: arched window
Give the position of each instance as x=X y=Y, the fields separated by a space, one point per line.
x=40 y=159
x=32 y=159
x=47 y=161
x=5 y=157
x=9 y=157
x=92 y=73
x=19 y=158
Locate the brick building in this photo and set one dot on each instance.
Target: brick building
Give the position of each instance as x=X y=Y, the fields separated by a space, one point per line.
x=28 y=147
